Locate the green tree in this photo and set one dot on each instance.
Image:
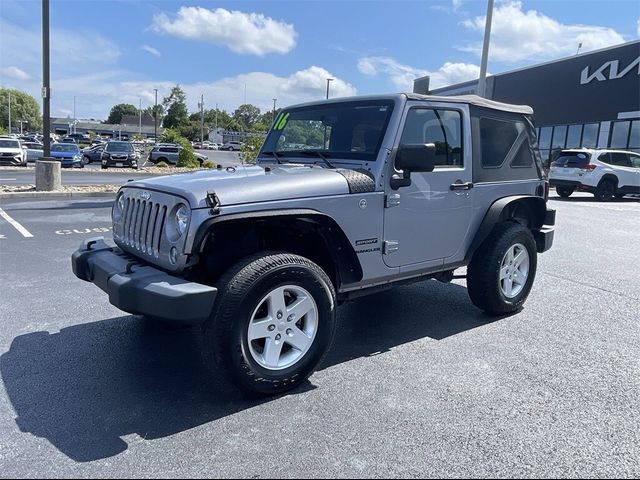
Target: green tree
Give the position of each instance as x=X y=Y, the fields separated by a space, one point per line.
x=175 y=106
x=186 y=157
x=247 y=115
x=23 y=107
x=117 y=112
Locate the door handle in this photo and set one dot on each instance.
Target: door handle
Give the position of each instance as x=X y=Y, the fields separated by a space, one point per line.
x=461 y=186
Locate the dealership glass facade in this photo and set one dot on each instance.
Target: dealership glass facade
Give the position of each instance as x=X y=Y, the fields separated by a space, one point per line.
x=623 y=135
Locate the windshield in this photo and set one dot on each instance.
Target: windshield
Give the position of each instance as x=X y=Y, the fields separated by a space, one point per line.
x=9 y=144
x=349 y=130
x=119 y=147
x=64 y=147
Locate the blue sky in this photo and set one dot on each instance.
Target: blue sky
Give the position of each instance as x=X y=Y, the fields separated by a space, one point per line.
x=108 y=52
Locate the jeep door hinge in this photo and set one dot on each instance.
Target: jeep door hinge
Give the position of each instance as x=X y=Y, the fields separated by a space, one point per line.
x=390 y=246
x=393 y=200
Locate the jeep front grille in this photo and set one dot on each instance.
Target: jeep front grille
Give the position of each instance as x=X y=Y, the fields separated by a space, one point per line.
x=143 y=225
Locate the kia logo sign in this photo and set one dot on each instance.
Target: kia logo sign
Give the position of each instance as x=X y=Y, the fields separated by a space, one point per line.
x=613 y=68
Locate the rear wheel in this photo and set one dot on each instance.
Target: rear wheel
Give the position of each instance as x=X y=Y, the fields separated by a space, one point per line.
x=502 y=270
x=104 y=167
x=86 y=160
x=565 y=192
x=605 y=191
x=273 y=323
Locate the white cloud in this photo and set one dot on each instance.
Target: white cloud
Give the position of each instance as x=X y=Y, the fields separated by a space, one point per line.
x=149 y=49
x=15 y=73
x=251 y=33
x=402 y=76
x=518 y=35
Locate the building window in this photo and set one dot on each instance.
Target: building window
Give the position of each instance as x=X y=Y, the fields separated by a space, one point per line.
x=590 y=135
x=574 y=136
x=559 y=137
x=619 y=135
x=634 y=136
x=545 y=138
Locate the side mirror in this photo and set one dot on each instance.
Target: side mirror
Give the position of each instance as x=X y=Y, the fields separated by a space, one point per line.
x=413 y=157
x=416 y=157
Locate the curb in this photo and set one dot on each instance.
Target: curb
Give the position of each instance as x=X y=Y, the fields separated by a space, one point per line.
x=7 y=195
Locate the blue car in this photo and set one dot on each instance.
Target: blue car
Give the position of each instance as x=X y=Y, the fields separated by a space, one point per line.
x=68 y=153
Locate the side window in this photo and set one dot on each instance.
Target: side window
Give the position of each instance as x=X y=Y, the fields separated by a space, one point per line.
x=619 y=159
x=440 y=127
x=501 y=139
x=635 y=160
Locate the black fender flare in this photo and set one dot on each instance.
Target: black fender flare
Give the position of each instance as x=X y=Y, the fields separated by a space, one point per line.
x=346 y=260
x=536 y=208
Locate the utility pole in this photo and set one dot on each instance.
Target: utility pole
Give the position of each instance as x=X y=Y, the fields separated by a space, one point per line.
x=245 y=94
x=328 y=80
x=140 y=118
x=482 y=81
x=155 y=118
x=74 y=114
x=46 y=86
x=274 y=109
x=201 y=105
x=216 y=118
x=9 y=90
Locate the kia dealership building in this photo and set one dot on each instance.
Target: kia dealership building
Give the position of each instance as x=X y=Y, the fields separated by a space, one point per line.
x=588 y=100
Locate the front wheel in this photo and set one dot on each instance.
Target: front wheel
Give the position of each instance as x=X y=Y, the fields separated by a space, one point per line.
x=273 y=323
x=502 y=270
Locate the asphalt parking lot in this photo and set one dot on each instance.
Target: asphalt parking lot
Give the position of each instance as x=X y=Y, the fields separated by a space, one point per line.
x=419 y=382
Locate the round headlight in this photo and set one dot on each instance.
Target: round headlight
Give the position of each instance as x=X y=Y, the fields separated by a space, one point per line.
x=118 y=206
x=182 y=218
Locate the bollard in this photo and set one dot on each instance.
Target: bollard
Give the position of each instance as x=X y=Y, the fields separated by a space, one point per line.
x=48 y=175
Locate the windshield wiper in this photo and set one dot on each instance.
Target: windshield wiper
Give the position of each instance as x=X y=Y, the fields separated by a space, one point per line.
x=274 y=155
x=317 y=153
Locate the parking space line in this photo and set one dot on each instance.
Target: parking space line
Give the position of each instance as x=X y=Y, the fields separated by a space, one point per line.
x=25 y=233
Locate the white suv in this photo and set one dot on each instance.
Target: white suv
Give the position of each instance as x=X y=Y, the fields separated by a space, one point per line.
x=605 y=173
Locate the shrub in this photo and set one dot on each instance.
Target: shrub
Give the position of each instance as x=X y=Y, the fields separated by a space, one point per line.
x=250 y=149
x=186 y=157
x=208 y=164
x=162 y=164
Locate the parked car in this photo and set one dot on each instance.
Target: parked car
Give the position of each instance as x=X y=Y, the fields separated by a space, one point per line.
x=604 y=173
x=12 y=152
x=233 y=145
x=93 y=154
x=119 y=154
x=208 y=145
x=68 y=140
x=169 y=154
x=33 y=149
x=406 y=188
x=69 y=154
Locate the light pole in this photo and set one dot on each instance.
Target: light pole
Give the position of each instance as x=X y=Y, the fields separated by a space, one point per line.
x=201 y=105
x=74 y=114
x=328 y=80
x=21 y=122
x=140 y=118
x=9 y=91
x=46 y=85
x=482 y=81
x=155 y=118
x=216 y=118
x=274 y=109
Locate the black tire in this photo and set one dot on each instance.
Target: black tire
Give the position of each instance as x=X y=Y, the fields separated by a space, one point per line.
x=606 y=190
x=619 y=196
x=483 y=273
x=104 y=167
x=240 y=292
x=163 y=159
x=86 y=160
x=565 y=192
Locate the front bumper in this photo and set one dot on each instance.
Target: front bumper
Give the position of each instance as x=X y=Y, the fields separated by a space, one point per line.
x=544 y=236
x=126 y=162
x=138 y=288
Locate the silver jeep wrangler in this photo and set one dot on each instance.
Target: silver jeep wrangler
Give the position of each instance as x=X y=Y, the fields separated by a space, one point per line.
x=347 y=197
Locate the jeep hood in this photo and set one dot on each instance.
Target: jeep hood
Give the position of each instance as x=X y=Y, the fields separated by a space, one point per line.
x=249 y=184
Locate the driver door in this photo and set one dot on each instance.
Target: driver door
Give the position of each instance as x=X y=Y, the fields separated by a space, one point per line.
x=426 y=223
